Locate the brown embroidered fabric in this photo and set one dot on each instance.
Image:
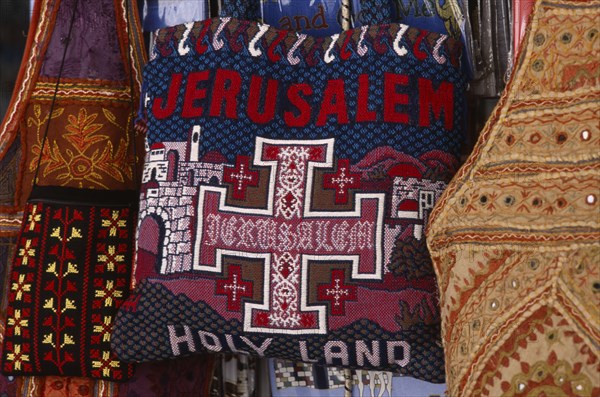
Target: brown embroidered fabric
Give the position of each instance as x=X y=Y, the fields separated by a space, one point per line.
x=87 y=144
x=515 y=239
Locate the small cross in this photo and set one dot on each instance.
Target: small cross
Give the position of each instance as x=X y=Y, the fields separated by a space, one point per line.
x=342 y=181
x=18 y=356
x=109 y=293
x=235 y=288
x=18 y=322
x=105 y=364
x=111 y=258
x=21 y=287
x=337 y=293
x=241 y=177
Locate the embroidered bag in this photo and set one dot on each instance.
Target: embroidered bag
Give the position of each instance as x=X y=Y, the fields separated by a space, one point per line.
x=71 y=271
x=286 y=187
x=72 y=263
x=515 y=239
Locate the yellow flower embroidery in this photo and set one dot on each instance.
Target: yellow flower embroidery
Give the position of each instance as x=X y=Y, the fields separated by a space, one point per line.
x=106 y=364
x=52 y=268
x=49 y=304
x=17 y=357
x=114 y=223
x=20 y=287
x=67 y=340
x=18 y=322
x=109 y=293
x=26 y=252
x=71 y=269
x=47 y=340
x=75 y=233
x=111 y=259
x=69 y=305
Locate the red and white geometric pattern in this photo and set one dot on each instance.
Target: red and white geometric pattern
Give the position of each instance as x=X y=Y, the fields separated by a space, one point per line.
x=289 y=236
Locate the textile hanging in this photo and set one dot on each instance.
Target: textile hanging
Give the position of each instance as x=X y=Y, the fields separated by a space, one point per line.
x=515 y=239
x=287 y=183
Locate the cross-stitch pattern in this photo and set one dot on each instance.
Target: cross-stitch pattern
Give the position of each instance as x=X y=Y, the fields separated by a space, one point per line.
x=91 y=114
x=70 y=274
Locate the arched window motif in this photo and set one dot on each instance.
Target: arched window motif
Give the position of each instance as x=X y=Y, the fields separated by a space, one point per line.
x=214 y=180
x=173 y=168
x=149 y=253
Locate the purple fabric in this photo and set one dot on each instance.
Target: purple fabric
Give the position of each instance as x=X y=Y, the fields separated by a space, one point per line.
x=94 y=51
x=186 y=376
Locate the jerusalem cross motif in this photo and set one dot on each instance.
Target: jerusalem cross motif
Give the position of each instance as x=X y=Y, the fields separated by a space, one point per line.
x=235 y=288
x=240 y=177
x=337 y=292
x=289 y=237
x=342 y=181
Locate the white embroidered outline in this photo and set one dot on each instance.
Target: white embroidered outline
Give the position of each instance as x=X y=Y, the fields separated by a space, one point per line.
x=376 y=274
x=252 y=48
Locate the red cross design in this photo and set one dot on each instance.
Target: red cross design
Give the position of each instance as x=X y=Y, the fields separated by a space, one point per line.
x=289 y=236
x=342 y=181
x=337 y=293
x=109 y=293
x=19 y=321
x=240 y=177
x=21 y=287
x=19 y=356
x=235 y=288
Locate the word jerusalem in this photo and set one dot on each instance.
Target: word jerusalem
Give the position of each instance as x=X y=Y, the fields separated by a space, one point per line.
x=406 y=99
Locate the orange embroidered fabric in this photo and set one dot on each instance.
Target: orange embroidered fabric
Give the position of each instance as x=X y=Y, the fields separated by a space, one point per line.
x=87 y=144
x=515 y=239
